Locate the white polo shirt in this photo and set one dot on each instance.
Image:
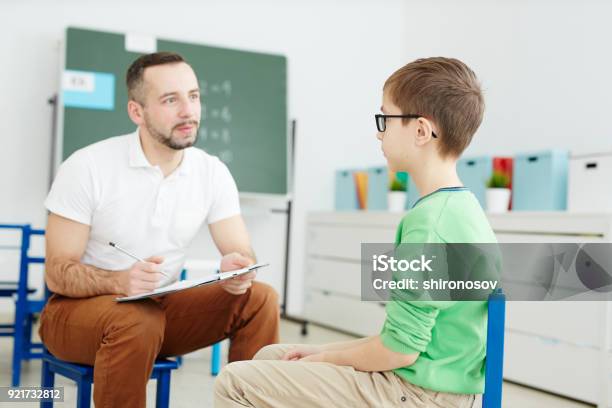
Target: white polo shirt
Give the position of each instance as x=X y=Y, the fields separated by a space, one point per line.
x=111 y=187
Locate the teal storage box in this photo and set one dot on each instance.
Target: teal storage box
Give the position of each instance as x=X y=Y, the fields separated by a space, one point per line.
x=346 y=191
x=405 y=178
x=413 y=194
x=474 y=172
x=378 y=187
x=540 y=181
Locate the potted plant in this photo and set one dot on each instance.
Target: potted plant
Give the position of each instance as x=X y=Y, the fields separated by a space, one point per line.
x=498 y=193
x=396 y=197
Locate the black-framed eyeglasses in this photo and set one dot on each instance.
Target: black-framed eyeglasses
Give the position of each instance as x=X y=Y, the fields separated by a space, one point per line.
x=381 y=121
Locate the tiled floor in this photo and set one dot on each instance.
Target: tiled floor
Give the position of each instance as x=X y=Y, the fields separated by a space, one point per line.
x=192 y=384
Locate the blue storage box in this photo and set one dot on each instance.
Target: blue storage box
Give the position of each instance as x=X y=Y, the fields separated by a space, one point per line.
x=378 y=187
x=474 y=172
x=540 y=181
x=346 y=191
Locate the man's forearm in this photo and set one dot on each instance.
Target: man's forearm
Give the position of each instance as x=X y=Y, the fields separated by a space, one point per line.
x=249 y=253
x=77 y=280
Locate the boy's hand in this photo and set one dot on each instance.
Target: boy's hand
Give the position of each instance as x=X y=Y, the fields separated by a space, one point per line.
x=301 y=352
x=314 y=358
x=239 y=284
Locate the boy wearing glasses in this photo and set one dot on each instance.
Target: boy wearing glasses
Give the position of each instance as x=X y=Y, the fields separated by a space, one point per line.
x=428 y=354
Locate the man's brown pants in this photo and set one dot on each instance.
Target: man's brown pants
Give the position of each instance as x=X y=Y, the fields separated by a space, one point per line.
x=122 y=340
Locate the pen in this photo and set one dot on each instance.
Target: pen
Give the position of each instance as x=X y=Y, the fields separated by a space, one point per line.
x=132 y=255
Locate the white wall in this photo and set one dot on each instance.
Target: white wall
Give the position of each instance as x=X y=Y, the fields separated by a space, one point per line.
x=545 y=68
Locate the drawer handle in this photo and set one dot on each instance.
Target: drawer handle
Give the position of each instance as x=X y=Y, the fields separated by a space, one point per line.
x=532 y=159
x=471 y=163
x=592 y=165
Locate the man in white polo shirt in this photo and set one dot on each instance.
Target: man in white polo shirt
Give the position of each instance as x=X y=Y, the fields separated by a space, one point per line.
x=149 y=191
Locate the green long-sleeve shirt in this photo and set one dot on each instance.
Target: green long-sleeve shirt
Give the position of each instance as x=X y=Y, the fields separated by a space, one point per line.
x=450 y=336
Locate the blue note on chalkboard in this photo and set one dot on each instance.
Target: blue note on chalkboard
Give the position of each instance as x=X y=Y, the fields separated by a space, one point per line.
x=88 y=90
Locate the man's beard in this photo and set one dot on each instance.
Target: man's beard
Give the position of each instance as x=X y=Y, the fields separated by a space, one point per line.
x=168 y=140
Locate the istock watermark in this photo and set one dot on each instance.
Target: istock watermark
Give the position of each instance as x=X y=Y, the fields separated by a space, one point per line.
x=383 y=263
x=471 y=272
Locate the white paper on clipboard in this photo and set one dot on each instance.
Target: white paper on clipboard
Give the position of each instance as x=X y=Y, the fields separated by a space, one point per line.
x=188 y=284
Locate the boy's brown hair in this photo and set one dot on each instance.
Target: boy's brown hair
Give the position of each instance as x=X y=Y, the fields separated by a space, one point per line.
x=444 y=90
x=134 y=75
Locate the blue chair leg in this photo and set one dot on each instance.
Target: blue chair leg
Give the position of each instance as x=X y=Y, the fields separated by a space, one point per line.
x=179 y=359
x=162 y=397
x=27 y=336
x=83 y=394
x=18 y=343
x=215 y=364
x=47 y=380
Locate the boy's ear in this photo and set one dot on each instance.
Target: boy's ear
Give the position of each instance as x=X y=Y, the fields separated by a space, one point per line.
x=424 y=131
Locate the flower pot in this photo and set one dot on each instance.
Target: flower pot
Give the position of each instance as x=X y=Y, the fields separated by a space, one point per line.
x=396 y=201
x=498 y=200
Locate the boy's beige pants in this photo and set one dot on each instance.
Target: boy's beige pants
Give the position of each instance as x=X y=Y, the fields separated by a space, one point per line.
x=267 y=381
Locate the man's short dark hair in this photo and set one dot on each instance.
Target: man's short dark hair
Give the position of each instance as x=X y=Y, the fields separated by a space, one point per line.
x=134 y=76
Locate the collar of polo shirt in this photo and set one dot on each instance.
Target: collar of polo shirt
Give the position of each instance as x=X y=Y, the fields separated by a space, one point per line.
x=137 y=157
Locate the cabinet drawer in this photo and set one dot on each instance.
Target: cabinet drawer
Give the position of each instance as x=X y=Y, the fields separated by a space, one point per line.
x=553 y=366
x=577 y=323
x=512 y=237
x=334 y=276
x=344 y=313
x=344 y=242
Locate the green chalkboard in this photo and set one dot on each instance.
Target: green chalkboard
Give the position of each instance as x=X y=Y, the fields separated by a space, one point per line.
x=244 y=104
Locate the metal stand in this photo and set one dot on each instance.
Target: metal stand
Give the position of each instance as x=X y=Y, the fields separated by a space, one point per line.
x=53 y=102
x=288 y=211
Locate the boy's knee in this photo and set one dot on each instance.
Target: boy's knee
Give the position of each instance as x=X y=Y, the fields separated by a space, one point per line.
x=222 y=383
x=270 y=352
x=229 y=379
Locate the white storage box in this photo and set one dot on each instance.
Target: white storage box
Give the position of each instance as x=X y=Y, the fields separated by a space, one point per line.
x=590 y=183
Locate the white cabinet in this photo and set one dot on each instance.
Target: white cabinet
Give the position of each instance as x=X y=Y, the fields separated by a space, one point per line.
x=558 y=346
x=555 y=346
x=333 y=274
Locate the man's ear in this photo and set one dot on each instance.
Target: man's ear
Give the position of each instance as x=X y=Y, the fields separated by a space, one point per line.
x=135 y=112
x=424 y=129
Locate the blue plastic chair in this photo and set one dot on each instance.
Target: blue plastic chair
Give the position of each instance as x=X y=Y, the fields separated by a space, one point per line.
x=25 y=309
x=215 y=362
x=83 y=376
x=494 y=363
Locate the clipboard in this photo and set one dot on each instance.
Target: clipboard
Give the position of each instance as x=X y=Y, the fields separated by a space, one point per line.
x=193 y=283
